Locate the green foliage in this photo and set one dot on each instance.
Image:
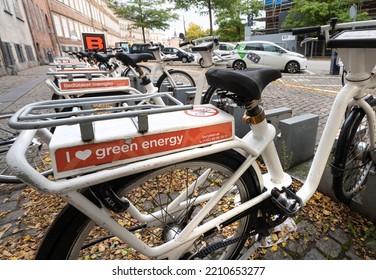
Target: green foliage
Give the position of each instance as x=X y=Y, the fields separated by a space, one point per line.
x=319 y=12
x=204 y=7
x=144 y=13
x=195 y=31
x=231 y=30
x=231 y=21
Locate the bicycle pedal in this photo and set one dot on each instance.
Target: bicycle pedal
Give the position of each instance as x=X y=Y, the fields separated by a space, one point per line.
x=287 y=201
x=110 y=199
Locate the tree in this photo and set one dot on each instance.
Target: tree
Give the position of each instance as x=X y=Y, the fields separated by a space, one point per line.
x=195 y=31
x=232 y=21
x=144 y=13
x=319 y=12
x=204 y=6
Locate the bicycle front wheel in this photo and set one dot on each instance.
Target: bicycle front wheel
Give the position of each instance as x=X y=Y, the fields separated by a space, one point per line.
x=177 y=78
x=352 y=159
x=74 y=235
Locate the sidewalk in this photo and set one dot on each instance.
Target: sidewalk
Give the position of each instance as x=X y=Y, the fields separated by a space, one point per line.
x=326 y=230
x=21 y=86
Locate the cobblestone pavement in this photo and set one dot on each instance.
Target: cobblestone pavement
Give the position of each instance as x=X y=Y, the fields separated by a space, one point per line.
x=304 y=93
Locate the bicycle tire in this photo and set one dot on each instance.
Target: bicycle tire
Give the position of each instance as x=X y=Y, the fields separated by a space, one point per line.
x=65 y=238
x=181 y=79
x=352 y=159
x=218 y=97
x=37 y=154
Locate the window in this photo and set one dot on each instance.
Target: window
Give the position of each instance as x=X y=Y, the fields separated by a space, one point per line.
x=17 y=10
x=57 y=23
x=27 y=9
x=64 y=22
x=254 y=46
x=8 y=54
x=29 y=53
x=34 y=17
x=271 y=48
x=20 y=53
x=6 y=6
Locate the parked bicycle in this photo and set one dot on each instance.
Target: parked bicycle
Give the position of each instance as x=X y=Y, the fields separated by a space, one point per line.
x=173 y=182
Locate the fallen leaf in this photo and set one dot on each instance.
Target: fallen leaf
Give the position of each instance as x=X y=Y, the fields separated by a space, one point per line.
x=274 y=248
x=4 y=228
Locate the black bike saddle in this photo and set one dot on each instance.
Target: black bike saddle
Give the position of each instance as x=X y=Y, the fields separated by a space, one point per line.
x=133 y=59
x=246 y=85
x=101 y=57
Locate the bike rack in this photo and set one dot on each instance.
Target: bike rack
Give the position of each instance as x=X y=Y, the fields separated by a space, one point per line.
x=87 y=73
x=83 y=112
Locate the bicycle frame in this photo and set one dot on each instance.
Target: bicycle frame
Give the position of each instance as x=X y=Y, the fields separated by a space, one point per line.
x=258 y=142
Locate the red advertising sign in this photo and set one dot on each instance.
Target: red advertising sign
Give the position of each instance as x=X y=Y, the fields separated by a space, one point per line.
x=72 y=158
x=93 y=84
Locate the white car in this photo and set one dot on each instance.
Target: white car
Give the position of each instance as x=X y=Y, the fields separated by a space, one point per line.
x=256 y=54
x=222 y=49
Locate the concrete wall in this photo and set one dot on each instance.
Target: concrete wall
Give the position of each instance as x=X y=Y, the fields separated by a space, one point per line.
x=14 y=30
x=285 y=40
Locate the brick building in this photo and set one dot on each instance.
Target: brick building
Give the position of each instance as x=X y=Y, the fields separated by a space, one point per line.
x=42 y=30
x=71 y=18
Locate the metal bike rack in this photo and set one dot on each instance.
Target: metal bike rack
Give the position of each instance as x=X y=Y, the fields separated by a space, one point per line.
x=86 y=111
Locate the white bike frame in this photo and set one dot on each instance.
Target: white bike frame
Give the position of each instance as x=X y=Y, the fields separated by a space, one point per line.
x=259 y=141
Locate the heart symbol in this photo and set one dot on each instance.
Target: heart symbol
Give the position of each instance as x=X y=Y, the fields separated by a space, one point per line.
x=83 y=155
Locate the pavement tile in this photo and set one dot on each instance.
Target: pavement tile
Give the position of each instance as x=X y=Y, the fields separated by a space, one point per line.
x=314 y=254
x=329 y=248
x=340 y=235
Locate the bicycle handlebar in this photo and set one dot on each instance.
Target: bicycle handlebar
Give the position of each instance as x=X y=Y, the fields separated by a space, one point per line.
x=182 y=44
x=303 y=30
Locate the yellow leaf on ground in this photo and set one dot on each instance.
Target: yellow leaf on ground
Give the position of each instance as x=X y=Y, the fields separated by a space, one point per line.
x=27 y=237
x=274 y=248
x=326 y=212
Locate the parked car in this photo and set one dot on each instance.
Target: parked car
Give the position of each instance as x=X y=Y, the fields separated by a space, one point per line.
x=224 y=48
x=221 y=49
x=181 y=55
x=255 y=54
x=143 y=47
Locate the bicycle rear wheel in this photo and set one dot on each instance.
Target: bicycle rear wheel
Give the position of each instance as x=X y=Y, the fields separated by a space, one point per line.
x=135 y=81
x=151 y=192
x=352 y=159
x=218 y=97
x=37 y=153
x=179 y=79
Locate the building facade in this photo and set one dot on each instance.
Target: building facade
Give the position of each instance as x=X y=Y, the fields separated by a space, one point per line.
x=33 y=32
x=71 y=18
x=16 y=43
x=42 y=29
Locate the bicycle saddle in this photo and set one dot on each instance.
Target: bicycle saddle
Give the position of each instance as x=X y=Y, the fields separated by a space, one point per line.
x=244 y=84
x=84 y=54
x=203 y=47
x=133 y=59
x=101 y=57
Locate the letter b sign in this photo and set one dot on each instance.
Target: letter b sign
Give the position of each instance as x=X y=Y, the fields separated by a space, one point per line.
x=94 y=41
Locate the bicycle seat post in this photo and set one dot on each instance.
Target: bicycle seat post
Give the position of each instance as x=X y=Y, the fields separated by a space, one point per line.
x=357 y=49
x=156 y=52
x=206 y=51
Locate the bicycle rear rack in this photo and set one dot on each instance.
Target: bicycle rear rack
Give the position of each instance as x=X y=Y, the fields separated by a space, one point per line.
x=86 y=111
